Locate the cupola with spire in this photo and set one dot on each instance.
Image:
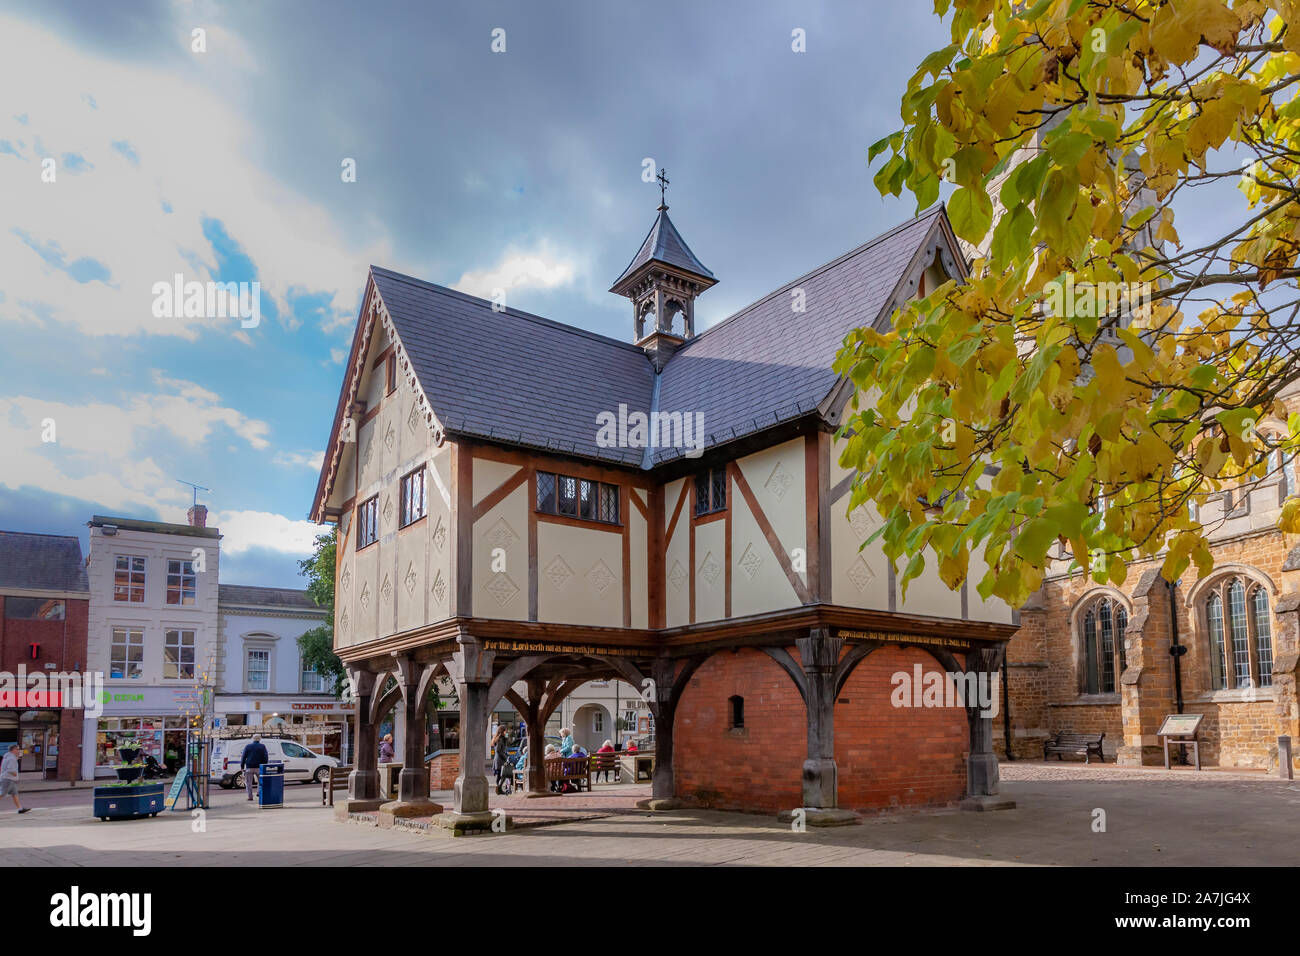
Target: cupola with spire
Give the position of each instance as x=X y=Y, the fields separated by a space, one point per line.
x=662 y=281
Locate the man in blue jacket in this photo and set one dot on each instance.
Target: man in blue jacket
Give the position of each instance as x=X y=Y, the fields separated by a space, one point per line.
x=254 y=756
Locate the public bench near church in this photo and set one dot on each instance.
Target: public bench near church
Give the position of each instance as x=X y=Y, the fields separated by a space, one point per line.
x=576 y=770
x=1083 y=744
x=606 y=763
x=336 y=780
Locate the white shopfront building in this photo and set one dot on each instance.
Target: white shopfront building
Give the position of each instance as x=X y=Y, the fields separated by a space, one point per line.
x=262 y=682
x=152 y=634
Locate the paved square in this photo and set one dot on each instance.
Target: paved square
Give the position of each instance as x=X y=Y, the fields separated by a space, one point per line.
x=1152 y=817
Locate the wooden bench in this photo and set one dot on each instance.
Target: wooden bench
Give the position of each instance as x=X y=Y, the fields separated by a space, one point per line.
x=606 y=763
x=576 y=770
x=1083 y=744
x=337 y=780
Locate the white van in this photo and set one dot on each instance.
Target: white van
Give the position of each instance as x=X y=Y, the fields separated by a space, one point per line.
x=299 y=762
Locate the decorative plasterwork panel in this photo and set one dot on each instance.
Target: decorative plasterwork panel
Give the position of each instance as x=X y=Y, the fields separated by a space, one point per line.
x=860 y=573
x=440 y=534
x=779 y=482
x=439 y=589
x=677 y=576
x=710 y=569
x=600 y=577
x=559 y=572
x=501 y=535
x=751 y=561
x=502 y=587
x=412 y=578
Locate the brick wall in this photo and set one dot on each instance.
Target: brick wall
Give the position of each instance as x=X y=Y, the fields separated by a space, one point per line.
x=887 y=757
x=443 y=770
x=63 y=645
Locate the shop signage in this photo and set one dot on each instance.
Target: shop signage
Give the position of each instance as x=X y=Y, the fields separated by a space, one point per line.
x=313 y=705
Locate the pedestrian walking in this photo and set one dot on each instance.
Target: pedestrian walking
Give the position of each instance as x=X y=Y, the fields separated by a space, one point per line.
x=255 y=755
x=9 y=777
x=386 y=752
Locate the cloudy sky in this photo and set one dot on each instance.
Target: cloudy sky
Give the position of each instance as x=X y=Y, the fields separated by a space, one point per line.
x=477 y=169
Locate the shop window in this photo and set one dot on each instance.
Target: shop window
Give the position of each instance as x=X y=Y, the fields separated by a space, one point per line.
x=33 y=609
x=178 y=655
x=181 y=582
x=1104 y=624
x=128 y=578
x=126 y=656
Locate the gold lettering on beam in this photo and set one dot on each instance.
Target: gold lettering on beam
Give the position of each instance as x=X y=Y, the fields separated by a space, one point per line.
x=535 y=646
x=891 y=637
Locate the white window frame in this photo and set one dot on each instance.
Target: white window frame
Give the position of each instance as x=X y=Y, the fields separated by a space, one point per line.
x=180 y=646
x=128 y=643
x=191 y=576
x=130 y=559
x=249 y=650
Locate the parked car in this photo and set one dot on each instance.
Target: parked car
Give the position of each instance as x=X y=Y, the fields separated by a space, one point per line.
x=299 y=762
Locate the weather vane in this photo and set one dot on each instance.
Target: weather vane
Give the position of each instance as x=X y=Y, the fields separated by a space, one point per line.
x=662 y=179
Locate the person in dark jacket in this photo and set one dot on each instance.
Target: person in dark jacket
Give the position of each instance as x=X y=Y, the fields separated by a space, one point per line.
x=255 y=755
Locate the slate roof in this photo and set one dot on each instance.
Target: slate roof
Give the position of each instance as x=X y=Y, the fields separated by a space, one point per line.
x=512 y=376
x=520 y=379
x=41 y=562
x=663 y=243
x=768 y=364
x=152 y=527
x=247 y=595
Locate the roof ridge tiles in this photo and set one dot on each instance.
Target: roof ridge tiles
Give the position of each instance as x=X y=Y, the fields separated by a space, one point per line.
x=512 y=312
x=812 y=273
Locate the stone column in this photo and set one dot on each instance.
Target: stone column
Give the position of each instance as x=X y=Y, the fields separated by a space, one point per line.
x=363 y=782
x=982 y=778
x=1147 y=684
x=471 y=669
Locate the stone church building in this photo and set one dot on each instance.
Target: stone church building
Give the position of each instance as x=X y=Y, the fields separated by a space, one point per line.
x=523 y=506
x=1116 y=661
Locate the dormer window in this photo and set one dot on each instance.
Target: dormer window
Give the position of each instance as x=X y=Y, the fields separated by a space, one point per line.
x=711 y=490
x=391 y=371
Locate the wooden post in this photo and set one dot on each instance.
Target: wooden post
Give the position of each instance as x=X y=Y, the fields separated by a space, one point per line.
x=363 y=781
x=819 y=653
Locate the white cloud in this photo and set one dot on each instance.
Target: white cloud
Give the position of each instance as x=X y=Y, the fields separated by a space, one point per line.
x=311 y=460
x=99 y=452
x=244 y=530
x=195 y=154
x=539 y=268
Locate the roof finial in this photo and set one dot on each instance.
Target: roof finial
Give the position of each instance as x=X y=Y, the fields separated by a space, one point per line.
x=662 y=179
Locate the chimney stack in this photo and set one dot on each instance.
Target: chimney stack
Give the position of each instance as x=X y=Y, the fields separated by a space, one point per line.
x=198 y=516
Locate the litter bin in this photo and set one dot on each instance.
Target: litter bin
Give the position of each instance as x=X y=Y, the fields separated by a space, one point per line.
x=270 y=785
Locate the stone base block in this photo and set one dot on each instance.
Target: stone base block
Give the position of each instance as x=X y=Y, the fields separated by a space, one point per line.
x=463 y=824
x=989 y=802
x=343 y=807
x=822 y=817
x=400 y=809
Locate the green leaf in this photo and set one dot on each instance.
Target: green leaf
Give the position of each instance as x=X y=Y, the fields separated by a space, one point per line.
x=971 y=213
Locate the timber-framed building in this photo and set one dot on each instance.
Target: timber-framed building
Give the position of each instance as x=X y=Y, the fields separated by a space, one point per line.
x=491 y=530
